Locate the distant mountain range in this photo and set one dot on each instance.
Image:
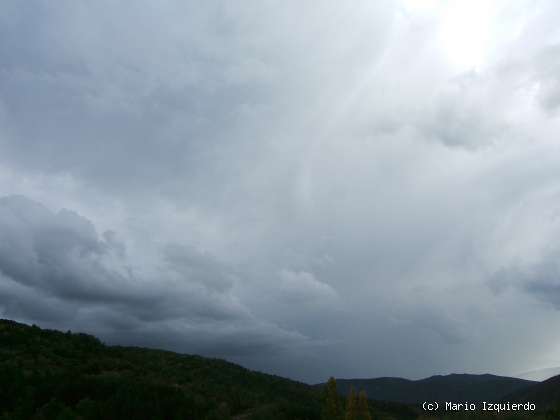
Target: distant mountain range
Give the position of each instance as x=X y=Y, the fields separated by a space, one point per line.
x=47 y=374
x=539 y=375
x=453 y=388
x=544 y=394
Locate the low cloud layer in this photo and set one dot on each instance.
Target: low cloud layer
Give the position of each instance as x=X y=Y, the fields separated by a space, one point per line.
x=352 y=190
x=57 y=270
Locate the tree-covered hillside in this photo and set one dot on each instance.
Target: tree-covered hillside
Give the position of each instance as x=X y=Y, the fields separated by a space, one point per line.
x=47 y=374
x=454 y=387
x=51 y=375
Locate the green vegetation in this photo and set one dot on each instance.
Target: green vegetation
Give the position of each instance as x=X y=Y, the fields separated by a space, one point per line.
x=332 y=407
x=454 y=387
x=46 y=374
x=363 y=407
x=51 y=375
x=357 y=408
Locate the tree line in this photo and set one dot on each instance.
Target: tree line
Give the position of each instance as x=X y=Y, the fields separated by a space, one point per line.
x=356 y=407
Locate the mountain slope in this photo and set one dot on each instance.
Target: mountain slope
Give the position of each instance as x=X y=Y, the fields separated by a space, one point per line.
x=539 y=375
x=455 y=387
x=544 y=394
x=47 y=374
x=50 y=374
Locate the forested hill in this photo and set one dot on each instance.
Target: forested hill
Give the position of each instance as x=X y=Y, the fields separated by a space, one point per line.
x=52 y=375
x=545 y=394
x=46 y=374
x=454 y=387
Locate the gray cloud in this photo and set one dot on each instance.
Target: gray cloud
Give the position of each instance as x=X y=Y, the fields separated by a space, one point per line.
x=55 y=268
x=539 y=278
x=304 y=189
x=547 y=70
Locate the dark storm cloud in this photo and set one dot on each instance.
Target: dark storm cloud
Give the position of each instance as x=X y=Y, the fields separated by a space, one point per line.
x=180 y=96
x=539 y=278
x=55 y=268
x=308 y=189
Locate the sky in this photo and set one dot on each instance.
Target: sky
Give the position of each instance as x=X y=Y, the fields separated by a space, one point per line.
x=311 y=189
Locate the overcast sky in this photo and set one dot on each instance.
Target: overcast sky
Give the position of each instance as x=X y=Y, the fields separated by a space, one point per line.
x=357 y=189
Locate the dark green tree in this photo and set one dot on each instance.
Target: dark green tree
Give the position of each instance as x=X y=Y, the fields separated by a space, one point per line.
x=352 y=406
x=363 y=407
x=331 y=403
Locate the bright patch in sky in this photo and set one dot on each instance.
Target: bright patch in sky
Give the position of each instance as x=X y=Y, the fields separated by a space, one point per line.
x=463 y=29
x=465 y=33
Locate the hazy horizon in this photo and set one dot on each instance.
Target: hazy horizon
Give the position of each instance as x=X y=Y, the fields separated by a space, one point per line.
x=309 y=189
